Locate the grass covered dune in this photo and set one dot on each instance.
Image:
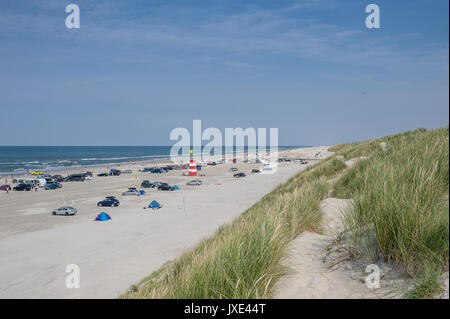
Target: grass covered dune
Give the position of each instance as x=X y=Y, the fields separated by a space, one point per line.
x=400 y=190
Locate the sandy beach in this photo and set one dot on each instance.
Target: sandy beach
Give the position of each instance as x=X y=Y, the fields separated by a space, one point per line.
x=36 y=247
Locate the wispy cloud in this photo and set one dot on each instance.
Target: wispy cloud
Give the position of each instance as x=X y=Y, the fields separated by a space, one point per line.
x=232 y=37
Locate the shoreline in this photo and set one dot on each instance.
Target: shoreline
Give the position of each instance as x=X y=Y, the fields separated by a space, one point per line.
x=161 y=161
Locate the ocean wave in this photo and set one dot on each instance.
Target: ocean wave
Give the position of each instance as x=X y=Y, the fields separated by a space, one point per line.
x=123 y=158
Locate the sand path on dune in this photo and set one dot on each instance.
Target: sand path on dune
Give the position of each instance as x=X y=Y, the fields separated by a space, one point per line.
x=311 y=275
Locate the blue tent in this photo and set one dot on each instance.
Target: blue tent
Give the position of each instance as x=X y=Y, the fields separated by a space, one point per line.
x=102 y=217
x=175 y=187
x=154 y=205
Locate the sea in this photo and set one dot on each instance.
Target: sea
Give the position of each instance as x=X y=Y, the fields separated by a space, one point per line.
x=20 y=159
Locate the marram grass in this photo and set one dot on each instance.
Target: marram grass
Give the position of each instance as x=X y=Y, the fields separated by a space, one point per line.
x=242 y=260
x=401 y=200
x=401 y=203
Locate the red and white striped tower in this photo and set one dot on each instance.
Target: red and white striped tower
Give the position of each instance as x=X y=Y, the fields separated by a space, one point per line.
x=192 y=166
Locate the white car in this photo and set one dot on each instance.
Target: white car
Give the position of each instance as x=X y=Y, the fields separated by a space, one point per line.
x=65 y=210
x=195 y=182
x=134 y=192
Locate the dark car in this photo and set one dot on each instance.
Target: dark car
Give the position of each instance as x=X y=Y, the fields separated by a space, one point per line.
x=22 y=187
x=212 y=163
x=102 y=174
x=255 y=171
x=5 y=188
x=156 y=171
x=115 y=172
x=238 y=175
x=52 y=186
x=75 y=178
x=165 y=187
x=147 y=184
x=109 y=201
x=147 y=169
x=58 y=178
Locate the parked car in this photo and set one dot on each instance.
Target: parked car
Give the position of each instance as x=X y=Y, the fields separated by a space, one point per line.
x=156 y=171
x=5 y=187
x=130 y=191
x=127 y=171
x=233 y=169
x=22 y=187
x=65 y=210
x=147 y=169
x=147 y=184
x=58 y=178
x=194 y=182
x=112 y=202
x=238 y=175
x=102 y=174
x=157 y=184
x=255 y=171
x=54 y=185
x=165 y=187
x=212 y=163
x=115 y=172
x=75 y=178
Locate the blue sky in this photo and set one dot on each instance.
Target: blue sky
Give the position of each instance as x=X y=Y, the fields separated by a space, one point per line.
x=137 y=69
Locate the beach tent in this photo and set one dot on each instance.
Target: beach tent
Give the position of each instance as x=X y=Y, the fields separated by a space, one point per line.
x=175 y=187
x=154 y=205
x=102 y=217
x=142 y=192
